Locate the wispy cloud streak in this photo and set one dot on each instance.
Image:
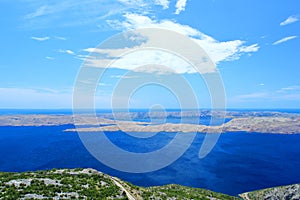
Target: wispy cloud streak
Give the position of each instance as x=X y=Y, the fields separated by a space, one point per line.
x=284 y=40
x=40 y=38
x=289 y=20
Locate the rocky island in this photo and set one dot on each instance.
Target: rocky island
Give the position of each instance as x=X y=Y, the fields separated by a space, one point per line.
x=262 y=122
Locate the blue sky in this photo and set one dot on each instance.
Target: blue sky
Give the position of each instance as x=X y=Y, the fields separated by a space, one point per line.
x=255 y=45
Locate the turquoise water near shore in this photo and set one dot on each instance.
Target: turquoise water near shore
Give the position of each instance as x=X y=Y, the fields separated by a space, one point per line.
x=239 y=162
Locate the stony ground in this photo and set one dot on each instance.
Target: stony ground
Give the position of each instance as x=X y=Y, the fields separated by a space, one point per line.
x=289 y=192
x=89 y=184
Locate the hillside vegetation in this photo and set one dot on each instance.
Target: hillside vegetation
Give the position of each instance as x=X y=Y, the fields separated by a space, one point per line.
x=89 y=184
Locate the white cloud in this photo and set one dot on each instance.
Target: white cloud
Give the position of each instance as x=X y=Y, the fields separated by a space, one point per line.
x=104 y=84
x=39 y=12
x=122 y=76
x=46 y=98
x=284 y=39
x=289 y=20
x=40 y=38
x=251 y=48
x=163 y=3
x=76 y=13
x=146 y=3
x=60 y=38
x=90 y=50
x=180 y=6
x=218 y=51
x=141 y=59
x=289 y=93
x=83 y=57
x=68 y=12
x=292 y=88
x=49 y=58
x=35 y=98
x=253 y=95
x=67 y=51
x=133 y=2
x=48 y=38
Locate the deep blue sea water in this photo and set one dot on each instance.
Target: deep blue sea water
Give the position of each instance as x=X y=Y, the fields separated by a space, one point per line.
x=239 y=162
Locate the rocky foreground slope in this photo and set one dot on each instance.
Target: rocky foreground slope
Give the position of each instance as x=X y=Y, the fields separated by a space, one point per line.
x=91 y=184
x=289 y=192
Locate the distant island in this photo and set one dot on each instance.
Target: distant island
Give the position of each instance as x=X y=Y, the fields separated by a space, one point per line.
x=262 y=122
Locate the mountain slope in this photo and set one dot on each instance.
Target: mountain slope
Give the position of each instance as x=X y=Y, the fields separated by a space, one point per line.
x=289 y=192
x=89 y=184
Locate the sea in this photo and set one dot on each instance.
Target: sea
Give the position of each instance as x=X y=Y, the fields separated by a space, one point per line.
x=239 y=162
